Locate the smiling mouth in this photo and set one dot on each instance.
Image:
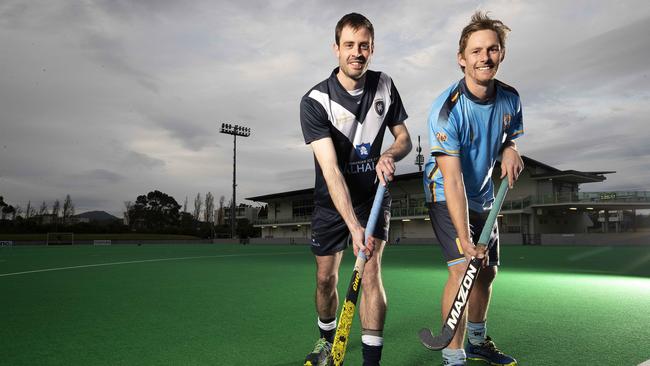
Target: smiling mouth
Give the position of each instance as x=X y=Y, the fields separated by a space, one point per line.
x=357 y=63
x=485 y=68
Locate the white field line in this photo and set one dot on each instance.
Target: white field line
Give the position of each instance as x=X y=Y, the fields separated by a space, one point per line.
x=588 y=254
x=645 y=363
x=144 y=261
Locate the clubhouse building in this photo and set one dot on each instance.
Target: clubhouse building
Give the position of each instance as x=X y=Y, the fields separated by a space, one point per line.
x=545 y=201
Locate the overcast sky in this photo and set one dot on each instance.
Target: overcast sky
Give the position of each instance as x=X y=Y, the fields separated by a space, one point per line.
x=107 y=100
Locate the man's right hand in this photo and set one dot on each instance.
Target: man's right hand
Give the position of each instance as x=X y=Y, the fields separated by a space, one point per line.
x=358 y=241
x=470 y=250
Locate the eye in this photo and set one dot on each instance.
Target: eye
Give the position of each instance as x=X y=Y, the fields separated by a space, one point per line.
x=365 y=47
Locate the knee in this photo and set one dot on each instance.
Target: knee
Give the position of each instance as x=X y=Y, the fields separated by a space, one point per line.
x=456 y=272
x=488 y=274
x=326 y=282
x=371 y=277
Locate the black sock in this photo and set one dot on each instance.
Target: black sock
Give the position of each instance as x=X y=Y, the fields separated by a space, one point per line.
x=328 y=334
x=371 y=355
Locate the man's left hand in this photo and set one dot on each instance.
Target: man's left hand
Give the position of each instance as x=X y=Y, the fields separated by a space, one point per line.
x=385 y=168
x=511 y=165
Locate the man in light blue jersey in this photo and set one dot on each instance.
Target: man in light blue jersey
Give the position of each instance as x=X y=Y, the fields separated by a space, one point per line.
x=471 y=124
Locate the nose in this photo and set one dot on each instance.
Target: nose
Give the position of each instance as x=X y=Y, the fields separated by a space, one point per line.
x=484 y=55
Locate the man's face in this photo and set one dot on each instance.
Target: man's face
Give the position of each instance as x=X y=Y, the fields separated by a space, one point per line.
x=354 y=51
x=482 y=56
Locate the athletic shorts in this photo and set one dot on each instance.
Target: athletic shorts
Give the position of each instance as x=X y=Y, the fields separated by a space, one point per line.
x=330 y=234
x=448 y=238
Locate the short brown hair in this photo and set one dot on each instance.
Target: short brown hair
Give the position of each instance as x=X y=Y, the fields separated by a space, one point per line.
x=355 y=21
x=481 y=21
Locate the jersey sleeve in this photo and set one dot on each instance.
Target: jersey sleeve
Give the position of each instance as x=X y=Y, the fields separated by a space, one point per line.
x=443 y=133
x=313 y=120
x=396 y=112
x=516 y=128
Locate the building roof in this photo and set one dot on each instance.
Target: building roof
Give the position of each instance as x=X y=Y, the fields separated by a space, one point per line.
x=573 y=176
x=545 y=172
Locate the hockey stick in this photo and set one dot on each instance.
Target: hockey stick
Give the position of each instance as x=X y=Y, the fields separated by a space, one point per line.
x=462 y=296
x=350 y=304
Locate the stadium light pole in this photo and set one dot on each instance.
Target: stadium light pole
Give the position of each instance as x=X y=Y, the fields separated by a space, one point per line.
x=419 y=158
x=234 y=130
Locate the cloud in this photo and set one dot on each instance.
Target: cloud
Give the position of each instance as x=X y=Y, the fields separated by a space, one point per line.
x=108 y=99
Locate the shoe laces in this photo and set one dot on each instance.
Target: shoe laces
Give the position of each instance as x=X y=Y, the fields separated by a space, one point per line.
x=322 y=345
x=489 y=344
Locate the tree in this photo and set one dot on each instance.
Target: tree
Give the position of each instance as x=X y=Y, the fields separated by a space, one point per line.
x=185 y=205
x=155 y=211
x=220 y=218
x=208 y=214
x=8 y=210
x=127 y=209
x=56 y=206
x=197 y=207
x=17 y=212
x=68 y=208
x=5 y=208
x=42 y=211
x=263 y=213
x=29 y=210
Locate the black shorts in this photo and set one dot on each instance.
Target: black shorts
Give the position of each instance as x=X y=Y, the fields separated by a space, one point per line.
x=448 y=238
x=330 y=234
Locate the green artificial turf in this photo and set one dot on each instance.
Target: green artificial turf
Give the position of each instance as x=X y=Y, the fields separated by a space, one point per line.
x=253 y=305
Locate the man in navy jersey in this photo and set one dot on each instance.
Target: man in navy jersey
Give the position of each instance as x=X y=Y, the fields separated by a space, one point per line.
x=470 y=125
x=344 y=118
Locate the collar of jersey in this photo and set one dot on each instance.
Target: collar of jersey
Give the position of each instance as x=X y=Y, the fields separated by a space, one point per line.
x=465 y=90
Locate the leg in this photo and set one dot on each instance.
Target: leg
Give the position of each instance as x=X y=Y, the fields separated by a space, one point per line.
x=479 y=346
x=455 y=276
x=327 y=298
x=326 y=302
x=479 y=299
x=372 y=309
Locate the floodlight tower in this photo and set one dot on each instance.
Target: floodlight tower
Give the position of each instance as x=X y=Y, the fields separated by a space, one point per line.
x=419 y=158
x=234 y=130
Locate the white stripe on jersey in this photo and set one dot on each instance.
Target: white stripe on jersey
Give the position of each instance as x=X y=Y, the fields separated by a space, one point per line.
x=345 y=121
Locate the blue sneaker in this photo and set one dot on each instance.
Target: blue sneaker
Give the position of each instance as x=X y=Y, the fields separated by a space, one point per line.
x=488 y=352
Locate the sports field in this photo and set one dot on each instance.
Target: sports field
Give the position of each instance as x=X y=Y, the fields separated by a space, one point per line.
x=253 y=305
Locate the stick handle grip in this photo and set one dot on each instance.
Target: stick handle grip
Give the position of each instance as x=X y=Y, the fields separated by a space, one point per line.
x=494 y=212
x=374 y=215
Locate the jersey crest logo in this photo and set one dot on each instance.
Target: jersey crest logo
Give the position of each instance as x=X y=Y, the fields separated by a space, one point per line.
x=363 y=150
x=507 y=118
x=441 y=136
x=379 y=107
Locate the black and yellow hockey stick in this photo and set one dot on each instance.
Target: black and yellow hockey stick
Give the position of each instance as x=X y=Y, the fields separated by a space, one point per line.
x=350 y=304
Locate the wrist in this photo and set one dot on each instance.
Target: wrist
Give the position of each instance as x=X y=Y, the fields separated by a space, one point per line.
x=511 y=145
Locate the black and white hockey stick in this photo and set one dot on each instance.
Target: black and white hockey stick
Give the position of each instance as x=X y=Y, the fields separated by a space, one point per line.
x=349 y=306
x=462 y=296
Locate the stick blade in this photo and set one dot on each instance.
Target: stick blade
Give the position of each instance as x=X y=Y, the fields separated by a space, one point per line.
x=438 y=342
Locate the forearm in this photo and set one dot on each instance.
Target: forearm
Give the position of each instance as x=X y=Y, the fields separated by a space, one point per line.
x=340 y=195
x=401 y=146
x=457 y=206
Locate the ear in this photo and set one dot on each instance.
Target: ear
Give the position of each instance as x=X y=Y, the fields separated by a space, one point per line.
x=503 y=54
x=335 y=49
x=461 y=59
